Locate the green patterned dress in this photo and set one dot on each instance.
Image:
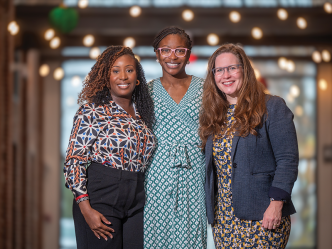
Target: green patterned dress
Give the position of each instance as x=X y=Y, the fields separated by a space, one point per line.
x=228 y=230
x=175 y=213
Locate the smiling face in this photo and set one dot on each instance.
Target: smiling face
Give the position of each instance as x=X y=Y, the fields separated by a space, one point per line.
x=228 y=83
x=172 y=64
x=123 y=77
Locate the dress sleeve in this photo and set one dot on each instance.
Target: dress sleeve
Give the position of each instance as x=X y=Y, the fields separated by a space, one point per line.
x=82 y=139
x=283 y=139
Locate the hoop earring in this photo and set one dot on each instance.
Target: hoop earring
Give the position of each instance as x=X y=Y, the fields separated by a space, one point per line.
x=138 y=83
x=157 y=61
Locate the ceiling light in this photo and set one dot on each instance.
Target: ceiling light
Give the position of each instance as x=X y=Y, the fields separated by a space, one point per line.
x=49 y=34
x=301 y=23
x=282 y=14
x=94 y=53
x=322 y=84
x=294 y=91
x=44 y=70
x=328 y=8
x=88 y=40
x=212 y=39
x=257 y=33
x=316 y=57
x=326 y=56
x=58 y=73
x=290 y=66
x=55 y=42
x=129 y=42
x=135 y=11
x=282 y=62
x=13 y=28
x=235 y=16
x=187 y=15
x=76 y=81
x=83 y=4
x=137 y=57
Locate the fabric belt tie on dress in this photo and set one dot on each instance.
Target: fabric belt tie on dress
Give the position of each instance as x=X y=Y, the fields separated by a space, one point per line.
x=179 y=162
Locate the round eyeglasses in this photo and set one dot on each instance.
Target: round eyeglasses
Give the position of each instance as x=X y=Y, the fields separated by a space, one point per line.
x=179 y=52
x=232 y=69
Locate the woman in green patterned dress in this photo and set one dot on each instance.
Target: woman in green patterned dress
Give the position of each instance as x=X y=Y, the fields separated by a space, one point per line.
x=251 y=154
x=175 y=213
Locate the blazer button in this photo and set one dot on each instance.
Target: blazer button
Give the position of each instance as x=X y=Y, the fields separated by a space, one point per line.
x=234 y=165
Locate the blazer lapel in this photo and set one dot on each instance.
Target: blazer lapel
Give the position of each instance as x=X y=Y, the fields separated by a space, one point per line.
x=234 y=146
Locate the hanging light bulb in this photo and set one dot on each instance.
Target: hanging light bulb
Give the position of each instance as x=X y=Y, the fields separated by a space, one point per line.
x=137 y=57
x=13 y=28
x=212 y=39
x=282 y=14
x=301 y=23
x=55 y=42
x=129 y=42
x=326 y=56
x=44 y=70
x=235 y=16
x=282 y=62
x=83 y=4
x=257 y=33
x=328 y=8
x=187 y=15
x=322 y=84
x=49 y=34
x=135 y=11
x=290 y=66
x=94 y=53
x=88 y=40
x=76 y=81
x=316 y=57
x=58 y=73
x=294 y=91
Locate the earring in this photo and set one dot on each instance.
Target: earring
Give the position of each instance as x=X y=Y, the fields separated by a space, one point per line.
x=157 y=60
x=138 y=83
x=188 y=62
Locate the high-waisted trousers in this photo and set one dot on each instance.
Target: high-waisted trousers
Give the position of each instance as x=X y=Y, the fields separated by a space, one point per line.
x=119 y=196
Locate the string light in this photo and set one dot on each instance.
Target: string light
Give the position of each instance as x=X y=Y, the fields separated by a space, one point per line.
x=290 y=66
x=294 y=91
x=212 y=39
x=301 y=23
x=49 y=34
x=94 y=53
x=55 y=42
x=328 y=8
x=326 y=56
x=322 y=84
x=88 y=40
x=235 y=16
x=187 y=15
x=282 y=62
x=58 y=73
x=75 y=81
x=137 y=57
x=83 y=4
x=129 y=42
x=316 y=57
x=44 y=70
x=282 y=14
x=135 y=11
x=257 y=33
x=13 y=28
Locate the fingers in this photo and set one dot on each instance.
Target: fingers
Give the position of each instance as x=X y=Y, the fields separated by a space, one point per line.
x=96 y=234
x=102 y=235
x=103 y=231
x=105 y=220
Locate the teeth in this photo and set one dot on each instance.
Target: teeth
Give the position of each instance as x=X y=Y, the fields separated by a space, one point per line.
x=124 y=85
x=172 y=64
x=228 y=83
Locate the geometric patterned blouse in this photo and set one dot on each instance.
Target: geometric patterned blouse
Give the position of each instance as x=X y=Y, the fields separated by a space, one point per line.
x=107 y=135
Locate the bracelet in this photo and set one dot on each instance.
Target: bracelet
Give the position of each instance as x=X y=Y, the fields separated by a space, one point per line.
x=272 y=199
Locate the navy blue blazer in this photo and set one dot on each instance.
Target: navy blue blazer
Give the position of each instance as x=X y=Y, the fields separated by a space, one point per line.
x=264 y=166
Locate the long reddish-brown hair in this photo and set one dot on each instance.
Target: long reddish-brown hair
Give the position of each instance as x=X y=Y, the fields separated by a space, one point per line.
x=250 y=106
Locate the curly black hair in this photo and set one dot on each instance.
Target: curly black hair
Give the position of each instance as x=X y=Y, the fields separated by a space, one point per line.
x=96 y=84
x=171 y=30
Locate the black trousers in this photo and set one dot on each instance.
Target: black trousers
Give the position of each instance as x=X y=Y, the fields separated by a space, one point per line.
x=119 y=196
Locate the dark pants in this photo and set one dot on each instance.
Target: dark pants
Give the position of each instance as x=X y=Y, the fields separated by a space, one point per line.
x=119 y=196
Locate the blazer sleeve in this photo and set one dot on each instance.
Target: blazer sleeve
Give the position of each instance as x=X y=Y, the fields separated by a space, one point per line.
x=284 y=144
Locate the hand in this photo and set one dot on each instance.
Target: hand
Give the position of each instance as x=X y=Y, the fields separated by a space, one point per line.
x=272 y=215
x=95 y=221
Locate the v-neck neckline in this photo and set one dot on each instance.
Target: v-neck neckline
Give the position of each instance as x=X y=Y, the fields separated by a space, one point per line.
x=184 y=96
x=120 y=108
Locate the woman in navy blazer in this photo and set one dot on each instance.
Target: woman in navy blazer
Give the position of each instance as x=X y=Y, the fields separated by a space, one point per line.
x=251 y=155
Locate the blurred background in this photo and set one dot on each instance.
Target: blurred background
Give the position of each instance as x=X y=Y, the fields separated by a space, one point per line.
x=47 y=47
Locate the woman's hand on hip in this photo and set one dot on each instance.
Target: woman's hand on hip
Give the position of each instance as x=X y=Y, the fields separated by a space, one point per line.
x=272 y=215
x=95 y=221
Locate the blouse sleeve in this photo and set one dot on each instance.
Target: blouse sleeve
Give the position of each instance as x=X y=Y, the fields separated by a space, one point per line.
x=82 y=138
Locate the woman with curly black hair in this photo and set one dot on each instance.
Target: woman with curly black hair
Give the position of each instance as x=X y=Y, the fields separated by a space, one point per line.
x=111 y=133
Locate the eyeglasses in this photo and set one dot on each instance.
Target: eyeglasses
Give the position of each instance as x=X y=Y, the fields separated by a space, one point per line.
x=179 y=52
x=232 y=69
